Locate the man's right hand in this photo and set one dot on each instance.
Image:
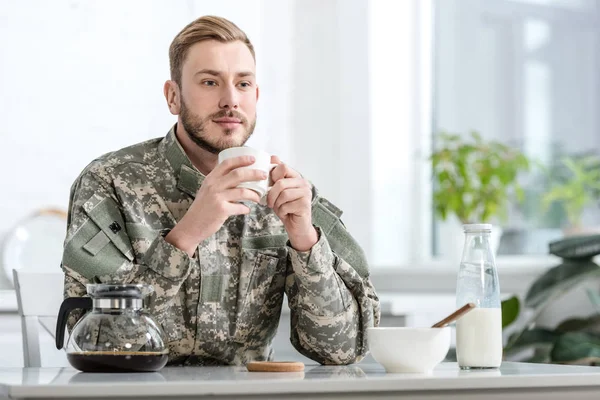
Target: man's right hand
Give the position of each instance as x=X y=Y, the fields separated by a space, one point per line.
x=217 y=200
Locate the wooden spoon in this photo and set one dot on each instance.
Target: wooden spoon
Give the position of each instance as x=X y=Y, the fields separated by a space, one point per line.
x=454 y=316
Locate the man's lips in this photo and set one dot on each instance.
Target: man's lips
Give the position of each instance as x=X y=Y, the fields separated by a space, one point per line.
x=228 y=122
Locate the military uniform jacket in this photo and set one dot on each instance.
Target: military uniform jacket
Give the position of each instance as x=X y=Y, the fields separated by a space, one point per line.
x=221 y=306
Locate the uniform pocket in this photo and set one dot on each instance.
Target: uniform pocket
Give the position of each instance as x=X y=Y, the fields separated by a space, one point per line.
x=260 y=297
x=107 y=216
x=100 y=247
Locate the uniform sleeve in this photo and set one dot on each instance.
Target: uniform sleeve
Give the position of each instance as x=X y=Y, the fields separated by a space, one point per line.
x=98 y=249
x=332 y=302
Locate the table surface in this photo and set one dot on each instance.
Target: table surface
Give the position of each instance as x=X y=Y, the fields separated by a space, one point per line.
x=237 y=381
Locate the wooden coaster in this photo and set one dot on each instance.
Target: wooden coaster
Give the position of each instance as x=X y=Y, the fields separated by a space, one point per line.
x=275 y=366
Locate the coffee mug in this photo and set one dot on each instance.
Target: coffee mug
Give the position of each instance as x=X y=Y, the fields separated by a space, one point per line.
x=262 y=161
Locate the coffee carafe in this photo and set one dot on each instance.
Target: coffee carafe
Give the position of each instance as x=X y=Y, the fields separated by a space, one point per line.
x=115 y=335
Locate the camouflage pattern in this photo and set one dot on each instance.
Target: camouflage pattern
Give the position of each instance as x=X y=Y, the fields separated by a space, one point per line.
x=221 y=306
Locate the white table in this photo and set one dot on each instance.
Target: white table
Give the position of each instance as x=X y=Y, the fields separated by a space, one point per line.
x=513 y=380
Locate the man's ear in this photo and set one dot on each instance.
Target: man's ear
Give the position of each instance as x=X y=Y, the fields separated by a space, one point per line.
x=173 y=96
x=257 y=92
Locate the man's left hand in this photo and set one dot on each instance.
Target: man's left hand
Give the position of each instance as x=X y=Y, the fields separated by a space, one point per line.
x=290 y=198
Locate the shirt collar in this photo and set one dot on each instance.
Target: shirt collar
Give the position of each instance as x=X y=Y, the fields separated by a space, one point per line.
x=189 y=179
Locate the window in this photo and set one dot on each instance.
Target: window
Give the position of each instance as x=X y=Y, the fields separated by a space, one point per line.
x=524 y=73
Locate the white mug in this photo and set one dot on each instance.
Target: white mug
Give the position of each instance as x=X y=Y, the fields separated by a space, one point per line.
x=262 y=161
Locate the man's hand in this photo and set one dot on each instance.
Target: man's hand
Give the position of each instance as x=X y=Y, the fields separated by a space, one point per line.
x=290 y=198
x=217 y=200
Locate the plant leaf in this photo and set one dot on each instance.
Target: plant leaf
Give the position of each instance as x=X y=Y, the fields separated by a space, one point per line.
x=474 y=179
x=576 y=247
x=591 y=325
x=510 y=310
x=558 y=280
x=536 y=337
x=594 y=298
x=573 y=346
x=576 y=187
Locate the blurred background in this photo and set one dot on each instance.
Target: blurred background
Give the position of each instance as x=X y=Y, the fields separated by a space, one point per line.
x=354 y=95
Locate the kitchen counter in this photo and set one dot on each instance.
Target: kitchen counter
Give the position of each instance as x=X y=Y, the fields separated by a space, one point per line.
x=512 y=380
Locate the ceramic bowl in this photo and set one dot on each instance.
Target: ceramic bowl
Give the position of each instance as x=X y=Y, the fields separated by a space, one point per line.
x=409 y=350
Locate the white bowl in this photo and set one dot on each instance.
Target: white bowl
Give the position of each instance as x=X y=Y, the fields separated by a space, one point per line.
x=412 y=350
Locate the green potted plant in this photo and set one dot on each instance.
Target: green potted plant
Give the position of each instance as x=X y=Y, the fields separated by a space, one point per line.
x=574 y=191
x=575 y=340
x=474 y=179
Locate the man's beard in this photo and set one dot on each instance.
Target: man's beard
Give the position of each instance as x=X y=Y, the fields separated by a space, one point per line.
x=195 y=128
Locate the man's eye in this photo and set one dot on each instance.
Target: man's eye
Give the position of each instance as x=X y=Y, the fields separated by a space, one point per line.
x=245 y=84
x=209 y=83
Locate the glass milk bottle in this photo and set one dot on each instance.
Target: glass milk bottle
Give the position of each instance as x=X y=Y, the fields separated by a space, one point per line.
x=479 y=332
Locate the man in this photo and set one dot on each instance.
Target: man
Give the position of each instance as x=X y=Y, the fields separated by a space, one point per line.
x=164 y=213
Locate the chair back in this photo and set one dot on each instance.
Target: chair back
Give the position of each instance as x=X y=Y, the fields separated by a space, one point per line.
x=39 y=296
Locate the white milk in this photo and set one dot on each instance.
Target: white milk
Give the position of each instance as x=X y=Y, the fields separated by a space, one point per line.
x=479 y=338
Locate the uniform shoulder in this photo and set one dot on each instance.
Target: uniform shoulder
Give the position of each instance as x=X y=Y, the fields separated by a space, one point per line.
x=141 y=153
x=145 y=153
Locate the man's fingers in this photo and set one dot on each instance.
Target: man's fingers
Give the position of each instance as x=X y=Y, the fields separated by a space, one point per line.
x=289 y=195
x=292 y=207
x=282 y=171
x=242 y=194
x=275 y=160
x=237 y=209
x=280 y=186
x=237 y=176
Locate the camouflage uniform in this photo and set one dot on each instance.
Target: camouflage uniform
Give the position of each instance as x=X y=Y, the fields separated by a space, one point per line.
x=221 y=306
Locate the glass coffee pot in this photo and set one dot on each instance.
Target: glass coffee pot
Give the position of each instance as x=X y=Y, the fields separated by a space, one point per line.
x=116 y=335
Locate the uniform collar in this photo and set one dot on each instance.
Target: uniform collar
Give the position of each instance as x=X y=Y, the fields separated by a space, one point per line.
x=189 y=178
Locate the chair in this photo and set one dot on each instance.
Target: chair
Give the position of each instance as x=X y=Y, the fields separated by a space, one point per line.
x=39 y=296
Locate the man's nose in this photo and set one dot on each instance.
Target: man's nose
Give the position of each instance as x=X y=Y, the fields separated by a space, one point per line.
x=229 y=98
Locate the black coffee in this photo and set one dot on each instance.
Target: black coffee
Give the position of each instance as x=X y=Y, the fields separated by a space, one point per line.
x=123 y=361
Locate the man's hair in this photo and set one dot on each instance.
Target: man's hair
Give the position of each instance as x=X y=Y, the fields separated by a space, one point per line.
x=204 y=28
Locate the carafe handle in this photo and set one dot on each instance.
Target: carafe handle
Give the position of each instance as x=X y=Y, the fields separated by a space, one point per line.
x=68 y=305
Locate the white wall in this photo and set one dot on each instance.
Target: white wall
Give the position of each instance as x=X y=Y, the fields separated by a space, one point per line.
x=400 y=92
x=330 y=101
